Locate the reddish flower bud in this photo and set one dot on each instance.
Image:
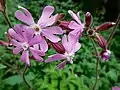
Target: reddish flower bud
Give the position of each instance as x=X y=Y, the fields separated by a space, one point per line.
x=58 y=47
x=2 y=43
x=101 y=41
x=2 y=5
x=8 y=37
x=105 y=55
x=64 y=25
x=88 y=19
x=60 y=16
x=105 y=26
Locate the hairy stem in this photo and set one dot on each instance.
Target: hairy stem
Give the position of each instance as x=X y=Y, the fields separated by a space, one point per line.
x=7 y=19
x=113 y=31
x=97 y=63
x=25 y=78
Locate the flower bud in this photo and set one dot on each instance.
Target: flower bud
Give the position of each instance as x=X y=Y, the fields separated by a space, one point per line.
x=101 y=41
x=105 y=55
x=64 y=25
x=105 y=26
x=2 y=43
x=2 y=5
x=88 y=19
x=58 y=47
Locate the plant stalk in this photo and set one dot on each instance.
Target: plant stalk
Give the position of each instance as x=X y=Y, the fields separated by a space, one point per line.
x=25 y=78
x=7 y=19
x=113 y=31
x=97 y=63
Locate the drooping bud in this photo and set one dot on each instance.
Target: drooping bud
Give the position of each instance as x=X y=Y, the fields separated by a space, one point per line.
x=2 y=43
x=2 y=5
x=64 y=25
x=101 y=41
x=105 y=55
x=58 y=47
x=88 y=19
x=8 y=37
x=105 y=26
x=60 y=16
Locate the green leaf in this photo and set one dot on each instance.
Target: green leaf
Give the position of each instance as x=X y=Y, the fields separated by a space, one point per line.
x=2 y=66
x=112 y=75
x=17 y=79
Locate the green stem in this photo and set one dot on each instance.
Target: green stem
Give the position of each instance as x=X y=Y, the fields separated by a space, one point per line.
x=25 y=78
x=97 y=63
x=113 y=31
x=7 y=19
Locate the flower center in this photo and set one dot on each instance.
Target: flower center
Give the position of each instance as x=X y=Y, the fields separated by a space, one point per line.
x=69 y=56
x=91 y=32
x=36 y=28
x=25 y=45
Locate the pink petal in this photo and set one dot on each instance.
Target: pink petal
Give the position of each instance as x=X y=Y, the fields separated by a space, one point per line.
x=37 y=54
x=24 y=16
x=77 y=47
x=17 y=49
x=36 y=40
x=50 y=21
x=74 y=25
x=74 y=16
x=54 y=30
x=43 y=45
x=28 y=34
x=25 y=57
x=14 y=35
x=61 y=65
x=55 y=57
x=65 y=43
x=18 y=29
x=15 y=43
x=50 y=36
x=47 y=11
x=116 y=88
x=77 y=33
x=78 y=15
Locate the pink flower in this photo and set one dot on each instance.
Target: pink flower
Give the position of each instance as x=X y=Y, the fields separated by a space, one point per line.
x=76 y=25
x=43 y=26
x=105 y=54
x=70 y=45
x=24 y=41
x=115 y=88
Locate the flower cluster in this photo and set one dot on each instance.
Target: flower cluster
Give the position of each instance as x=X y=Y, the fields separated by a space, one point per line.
x=94 y=32
x=32 y=38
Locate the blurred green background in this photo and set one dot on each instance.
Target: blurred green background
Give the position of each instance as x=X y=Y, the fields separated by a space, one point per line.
x=78 y=76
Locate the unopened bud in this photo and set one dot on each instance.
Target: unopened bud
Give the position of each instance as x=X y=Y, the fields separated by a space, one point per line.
x=2 y=43
x=101 y=41
x=105 y=55
x=64 y=25
x=58 y=47
x=2 y=5
x=60 y=16
x=88 y=19
x=8 y=37
x=105 y=26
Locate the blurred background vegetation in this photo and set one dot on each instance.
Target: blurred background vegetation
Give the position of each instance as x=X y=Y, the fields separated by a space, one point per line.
x=78 y=76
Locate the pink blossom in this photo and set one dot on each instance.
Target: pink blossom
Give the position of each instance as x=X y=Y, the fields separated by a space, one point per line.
x=70 y=45
x=24 y=41
x=76 y=25
x=105 y=54
x=43 y=27
x=115 y=88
